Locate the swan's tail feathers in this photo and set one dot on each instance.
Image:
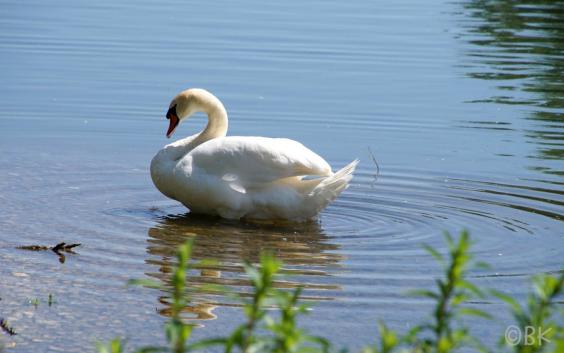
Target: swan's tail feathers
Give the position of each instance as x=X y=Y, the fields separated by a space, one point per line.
x=333 y=185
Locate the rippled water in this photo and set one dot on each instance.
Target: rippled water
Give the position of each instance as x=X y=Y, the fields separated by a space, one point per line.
x=462 y=104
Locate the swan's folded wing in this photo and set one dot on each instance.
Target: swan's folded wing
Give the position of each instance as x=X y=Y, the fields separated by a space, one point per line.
x=251 y=160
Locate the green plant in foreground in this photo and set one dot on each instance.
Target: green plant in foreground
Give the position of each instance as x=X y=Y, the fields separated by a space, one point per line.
x=261 y=332
x=177 y=332
x=283 y=334
x=535 y=321
x=114 y=346
x=442 y=333
x=452 y=292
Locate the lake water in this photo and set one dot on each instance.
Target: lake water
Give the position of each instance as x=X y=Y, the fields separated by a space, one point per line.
x=461 y=103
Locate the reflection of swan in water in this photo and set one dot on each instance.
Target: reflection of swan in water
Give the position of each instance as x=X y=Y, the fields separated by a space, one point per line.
x=304 y=249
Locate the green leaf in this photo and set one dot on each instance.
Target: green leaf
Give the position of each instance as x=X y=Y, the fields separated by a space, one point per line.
x=422 y=293
x=206 y=263
x=471 y=287
x=459 y=298
x=149 y=283
x=507 y=299
x=434 y=253
x=204 y=343
x=475 y=343
x=209 y=287
x=389 y=339
x=449 y=240
x=322 y=342
x=474 y=312
x=151 y=349
x=253 y=274
x=482 y=265
x=183 y=253
x=114 y=346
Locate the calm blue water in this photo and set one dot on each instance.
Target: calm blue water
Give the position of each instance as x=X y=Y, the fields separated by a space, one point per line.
x=462 y=104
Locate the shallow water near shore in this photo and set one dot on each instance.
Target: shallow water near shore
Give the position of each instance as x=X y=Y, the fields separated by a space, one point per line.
x=461 y=103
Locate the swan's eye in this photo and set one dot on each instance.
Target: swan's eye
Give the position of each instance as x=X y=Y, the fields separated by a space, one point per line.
x=173 y=117
x=171 y=112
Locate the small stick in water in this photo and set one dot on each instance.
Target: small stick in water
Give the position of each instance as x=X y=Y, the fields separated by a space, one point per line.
x=9 y=330
x=375 y=163
x=64 y=247
x=57 y=249
x=33 y=247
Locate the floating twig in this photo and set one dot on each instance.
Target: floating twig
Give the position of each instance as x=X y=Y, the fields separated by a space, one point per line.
x=64 y=247
x=7 y=329
x=57 y=249
x=33 y=247
x=376 y=164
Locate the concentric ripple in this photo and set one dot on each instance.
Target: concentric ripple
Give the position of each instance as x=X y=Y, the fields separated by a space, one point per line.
x=371 y=234
x=385 y=218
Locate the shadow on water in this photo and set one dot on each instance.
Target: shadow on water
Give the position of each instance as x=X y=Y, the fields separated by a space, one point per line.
x=519 y=45
x=305 y=250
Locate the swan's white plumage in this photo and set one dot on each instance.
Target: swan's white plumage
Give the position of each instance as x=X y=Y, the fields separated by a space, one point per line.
x=243 y=176
x=258 y=160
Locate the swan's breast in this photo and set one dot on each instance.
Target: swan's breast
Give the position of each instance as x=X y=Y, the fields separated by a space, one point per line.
x=165 y=175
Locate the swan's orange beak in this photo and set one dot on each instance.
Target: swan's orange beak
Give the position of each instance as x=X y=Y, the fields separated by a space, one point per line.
x=173 y=118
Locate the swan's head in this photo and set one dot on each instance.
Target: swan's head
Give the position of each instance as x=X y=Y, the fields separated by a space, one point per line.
x=181 y=107
x=186 y=104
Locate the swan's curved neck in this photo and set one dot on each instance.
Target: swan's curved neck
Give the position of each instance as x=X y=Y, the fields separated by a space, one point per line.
x=217 y=121
x=216 y=127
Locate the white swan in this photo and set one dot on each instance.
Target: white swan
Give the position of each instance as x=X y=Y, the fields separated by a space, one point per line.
x=241 y=176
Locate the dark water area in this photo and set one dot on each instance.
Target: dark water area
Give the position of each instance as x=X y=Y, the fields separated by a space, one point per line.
x=461 y=103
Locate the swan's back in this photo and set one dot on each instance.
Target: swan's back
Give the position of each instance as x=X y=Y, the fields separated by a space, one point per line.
x=257 y=160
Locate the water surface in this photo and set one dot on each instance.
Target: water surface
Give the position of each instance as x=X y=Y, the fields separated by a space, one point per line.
x=461 y=103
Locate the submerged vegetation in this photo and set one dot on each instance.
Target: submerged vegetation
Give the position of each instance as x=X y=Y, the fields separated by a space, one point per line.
x=271 y=323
